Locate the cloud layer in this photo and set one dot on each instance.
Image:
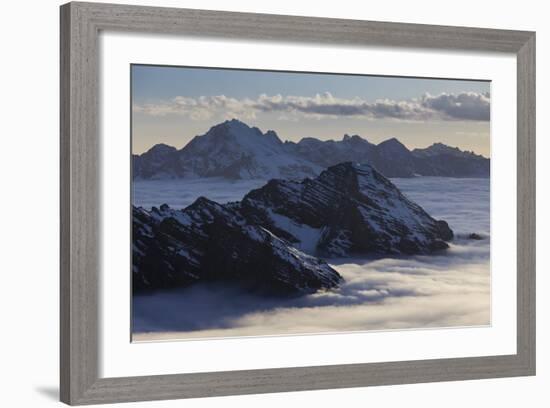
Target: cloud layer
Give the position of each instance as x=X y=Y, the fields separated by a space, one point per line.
x=462 y=106
x=414 y=293
x=444 y=290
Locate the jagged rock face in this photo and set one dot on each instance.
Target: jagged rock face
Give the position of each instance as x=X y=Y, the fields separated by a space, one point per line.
x=209 y=242
x=349 y=209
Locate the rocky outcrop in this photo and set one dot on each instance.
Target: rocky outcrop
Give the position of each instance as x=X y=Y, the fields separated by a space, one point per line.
x=349 y=209
x=208 y=242
x=271 y=241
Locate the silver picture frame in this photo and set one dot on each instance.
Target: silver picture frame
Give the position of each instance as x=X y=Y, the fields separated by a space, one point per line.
x=81 y=24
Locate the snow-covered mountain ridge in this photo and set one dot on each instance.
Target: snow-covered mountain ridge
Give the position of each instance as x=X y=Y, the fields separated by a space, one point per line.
x=234 y=150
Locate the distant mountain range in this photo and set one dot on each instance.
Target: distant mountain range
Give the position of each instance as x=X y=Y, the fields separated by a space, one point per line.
x=270 y=241
x=234 y=150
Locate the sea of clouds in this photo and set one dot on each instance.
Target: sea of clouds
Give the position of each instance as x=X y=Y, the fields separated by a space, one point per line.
x=445 y=290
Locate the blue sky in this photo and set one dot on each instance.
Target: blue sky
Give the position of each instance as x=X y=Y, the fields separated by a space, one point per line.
x=173 y=104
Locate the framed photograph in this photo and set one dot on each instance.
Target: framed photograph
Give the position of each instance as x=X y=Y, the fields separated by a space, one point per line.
x=261 y=203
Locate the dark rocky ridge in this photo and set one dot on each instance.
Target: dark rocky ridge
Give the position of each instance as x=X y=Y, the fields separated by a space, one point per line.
x=209 y=242
x=349 y=209
x=392 y=158
x=269 y=242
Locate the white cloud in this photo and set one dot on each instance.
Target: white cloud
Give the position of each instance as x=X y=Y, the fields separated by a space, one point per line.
x=467 y=105
x=462 y=106
x=420 y=292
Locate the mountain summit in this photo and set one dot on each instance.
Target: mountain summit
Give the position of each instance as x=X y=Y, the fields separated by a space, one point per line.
x=349 y=209
x=233 y=150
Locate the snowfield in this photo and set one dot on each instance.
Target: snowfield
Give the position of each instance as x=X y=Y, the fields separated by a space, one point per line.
x=445 y=290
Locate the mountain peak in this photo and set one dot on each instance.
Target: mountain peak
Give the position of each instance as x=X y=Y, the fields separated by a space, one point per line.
x=235 y=150
x=392 y=141
x=441 y=148
x=232 y=121
x=377 y=218
x=457 y=162
x=353 y=138
x=393 y=145
x=239 y=127
x=161 y=148
x=272 y=135
x=231 y=128
x=233 y=125
x=235 y=122
x=439 y=145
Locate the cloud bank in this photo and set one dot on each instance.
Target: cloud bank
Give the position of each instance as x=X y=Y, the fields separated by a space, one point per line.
x=388 y=294
x=444 y=290
x=470 y=106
